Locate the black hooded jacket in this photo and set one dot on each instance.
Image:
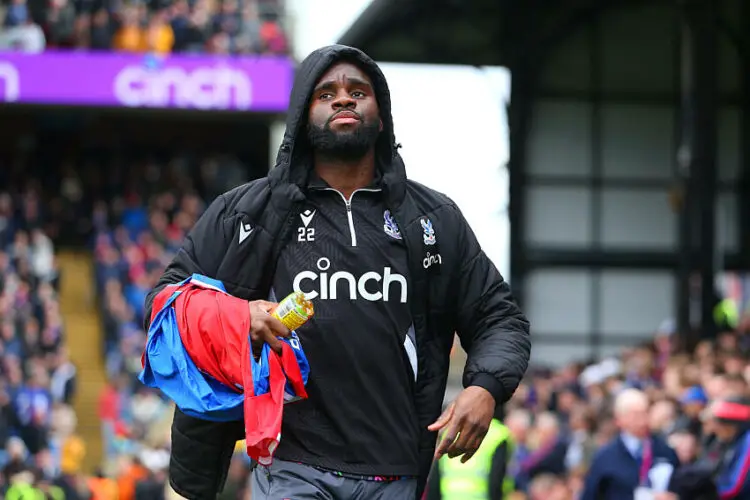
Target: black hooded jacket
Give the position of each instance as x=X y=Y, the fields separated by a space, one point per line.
x=461 y=292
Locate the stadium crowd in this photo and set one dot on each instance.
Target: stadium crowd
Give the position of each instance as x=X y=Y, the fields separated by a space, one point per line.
x=158 y=26
x=37 y=380
x=134 y=237
x=559 y=420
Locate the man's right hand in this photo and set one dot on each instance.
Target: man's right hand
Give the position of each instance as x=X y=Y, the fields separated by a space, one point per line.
x=264 y=328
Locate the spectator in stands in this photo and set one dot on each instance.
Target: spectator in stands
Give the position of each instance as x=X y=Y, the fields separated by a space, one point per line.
x=692 y=403
x=130 y=37
x=159 y=36
x=21 y=486
x=23 y=35
x=222 y=27
x=550 y=449
x=228 y=19
x=6 y=226
x=17 y=14
x=219 y=43
x=191 y=35
x=101 y=30
x=685 y=445
x=60 y=23
x=15 y=452
x=729 y=454
x=581 y=439
x=64 y=377
x=33 y=405
x=68 y=450
x=102 y=487
x=518 y=422
x=272 y=37
x=626 y=463
x=248 y=39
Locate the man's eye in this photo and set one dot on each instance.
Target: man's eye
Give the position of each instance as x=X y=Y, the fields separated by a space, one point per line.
x=325 y=95
x=358 y=93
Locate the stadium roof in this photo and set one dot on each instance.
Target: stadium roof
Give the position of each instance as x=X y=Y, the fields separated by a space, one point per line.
x=476 y=32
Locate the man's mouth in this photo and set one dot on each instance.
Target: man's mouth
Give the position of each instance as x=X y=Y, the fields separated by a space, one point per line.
x=345 y=117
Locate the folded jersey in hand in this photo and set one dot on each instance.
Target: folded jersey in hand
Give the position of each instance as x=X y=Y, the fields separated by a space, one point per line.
x=198 y=353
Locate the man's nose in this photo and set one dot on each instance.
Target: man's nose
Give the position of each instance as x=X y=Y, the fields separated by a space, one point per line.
x=343 y=100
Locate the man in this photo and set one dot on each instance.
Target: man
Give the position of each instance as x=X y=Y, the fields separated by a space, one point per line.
x=728 y=457
x=518 y=422
x=581 y=445
x=484 y=477
x=635 y=464
x=662 y=417
x=693 y=402
x=549 y=455
x=717 y=387
x=685 y=445
x=721 y=470
x=393 y=270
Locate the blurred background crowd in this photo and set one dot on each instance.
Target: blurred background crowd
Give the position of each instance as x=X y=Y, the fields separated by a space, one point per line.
x=159 y=26
x=560 y=420
x=134 y=219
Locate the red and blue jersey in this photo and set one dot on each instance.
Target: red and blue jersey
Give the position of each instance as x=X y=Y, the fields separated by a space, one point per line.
x=199 y=354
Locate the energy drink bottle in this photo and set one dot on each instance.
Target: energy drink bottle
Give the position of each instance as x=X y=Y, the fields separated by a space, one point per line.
x=294 y=310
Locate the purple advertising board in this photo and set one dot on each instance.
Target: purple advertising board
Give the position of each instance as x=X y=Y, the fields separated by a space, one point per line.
x=256 y=83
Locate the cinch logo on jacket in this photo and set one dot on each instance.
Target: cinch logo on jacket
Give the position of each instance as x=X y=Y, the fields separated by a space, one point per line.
x=371 y=286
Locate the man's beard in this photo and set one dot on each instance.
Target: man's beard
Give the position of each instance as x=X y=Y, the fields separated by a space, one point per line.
x=346 y=145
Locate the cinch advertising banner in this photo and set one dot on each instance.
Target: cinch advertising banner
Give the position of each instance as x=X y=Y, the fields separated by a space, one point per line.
x=249 y=83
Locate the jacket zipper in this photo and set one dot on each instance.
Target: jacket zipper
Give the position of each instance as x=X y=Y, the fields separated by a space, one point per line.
x=348 y=204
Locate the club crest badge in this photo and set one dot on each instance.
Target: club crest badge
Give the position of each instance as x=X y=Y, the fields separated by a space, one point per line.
x=429 y=231
x=390 y=227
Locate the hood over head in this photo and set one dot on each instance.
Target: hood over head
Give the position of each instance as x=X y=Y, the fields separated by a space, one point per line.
x=294 y=161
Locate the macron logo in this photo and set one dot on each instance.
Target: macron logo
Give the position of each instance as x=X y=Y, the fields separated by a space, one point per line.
x=307 y=216
x=245 y=230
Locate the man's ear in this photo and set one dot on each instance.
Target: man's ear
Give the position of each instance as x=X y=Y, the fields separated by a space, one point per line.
x=380 y=126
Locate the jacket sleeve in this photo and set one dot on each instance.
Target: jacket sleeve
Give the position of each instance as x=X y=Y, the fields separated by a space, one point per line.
x=594 y=487
x=201 y=252
x=493 y=330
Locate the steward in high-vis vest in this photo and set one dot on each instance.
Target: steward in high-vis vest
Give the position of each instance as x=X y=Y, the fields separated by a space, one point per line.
x=23 y=491
x=482 y=477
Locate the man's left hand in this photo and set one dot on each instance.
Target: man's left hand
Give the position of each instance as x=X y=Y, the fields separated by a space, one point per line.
x=466 y=422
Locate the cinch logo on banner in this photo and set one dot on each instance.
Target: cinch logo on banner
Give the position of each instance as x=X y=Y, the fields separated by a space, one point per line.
x=254 y=83
x=202 y=88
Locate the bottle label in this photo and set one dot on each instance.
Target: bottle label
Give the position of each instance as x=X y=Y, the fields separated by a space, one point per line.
x=290 y=313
